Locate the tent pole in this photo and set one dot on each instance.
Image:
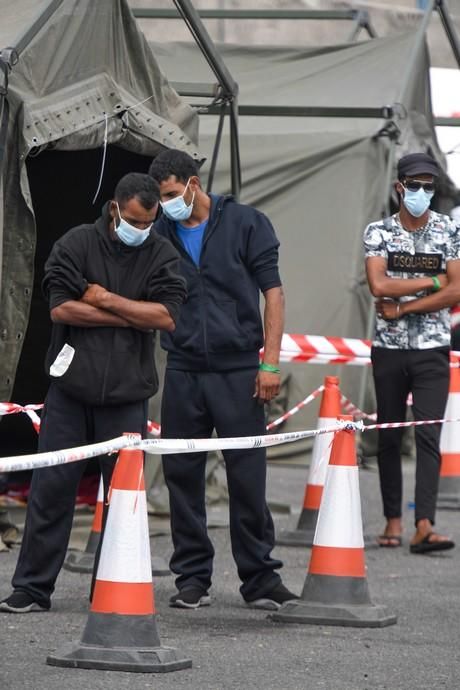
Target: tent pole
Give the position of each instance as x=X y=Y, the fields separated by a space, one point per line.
x=449 y=28
x=371 y=313
x=414 y=56
x=235 y=150
x=37 y=24
x=225 y=79
x=207 y=47
x=215 y=152
x=362 y=22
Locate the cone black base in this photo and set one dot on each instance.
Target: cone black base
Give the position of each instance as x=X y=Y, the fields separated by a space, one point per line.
x=79 y=562
x=84 y=563
x=159 y=567
x=150 y=660
x=120 y=643
x=448 y=503
x=305 y=538
x=347 y=615
x=449 y=493
x=295 y=538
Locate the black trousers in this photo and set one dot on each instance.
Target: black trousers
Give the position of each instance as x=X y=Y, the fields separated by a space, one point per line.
x=194 y=404
x=65 y=423
x=425 y=374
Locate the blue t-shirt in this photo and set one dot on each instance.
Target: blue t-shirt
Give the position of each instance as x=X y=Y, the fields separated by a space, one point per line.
x=192 y=239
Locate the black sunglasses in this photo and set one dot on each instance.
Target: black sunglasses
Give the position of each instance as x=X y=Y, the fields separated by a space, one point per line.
x=415 y=185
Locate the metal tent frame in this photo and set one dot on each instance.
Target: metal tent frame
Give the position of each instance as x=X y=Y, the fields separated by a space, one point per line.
x=224 y=94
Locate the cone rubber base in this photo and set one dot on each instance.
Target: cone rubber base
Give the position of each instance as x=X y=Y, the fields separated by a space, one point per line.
x=447 y=502
x=298 y=537
x=81 y=562
x=347 y=615
x=84 y=563
x=159 y=567
x=148 y=660
x=305 y=538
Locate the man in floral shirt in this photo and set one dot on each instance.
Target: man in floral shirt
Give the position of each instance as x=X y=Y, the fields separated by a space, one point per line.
x=413 y=269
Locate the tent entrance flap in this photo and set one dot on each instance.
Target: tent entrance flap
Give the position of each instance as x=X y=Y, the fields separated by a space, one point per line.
x=63 y=185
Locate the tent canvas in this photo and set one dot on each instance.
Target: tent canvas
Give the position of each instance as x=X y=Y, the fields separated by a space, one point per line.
x=320 y=180
x=85 y=75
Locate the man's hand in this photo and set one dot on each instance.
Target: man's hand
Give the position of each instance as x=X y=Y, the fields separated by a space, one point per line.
x=95 y=295
x=389 y=310
x=267 y=385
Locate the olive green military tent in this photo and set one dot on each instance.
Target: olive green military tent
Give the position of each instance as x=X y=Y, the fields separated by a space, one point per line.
x=74 y=74
x=320 y=132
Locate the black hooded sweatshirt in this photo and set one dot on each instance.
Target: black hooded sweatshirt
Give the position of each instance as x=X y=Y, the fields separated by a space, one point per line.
x=111 y=365
x=220 y=325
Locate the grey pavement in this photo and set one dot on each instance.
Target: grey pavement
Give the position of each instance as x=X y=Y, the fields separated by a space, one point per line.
x=236 y=648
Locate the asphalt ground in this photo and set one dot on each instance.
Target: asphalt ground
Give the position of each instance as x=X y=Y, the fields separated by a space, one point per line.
x=233 y=647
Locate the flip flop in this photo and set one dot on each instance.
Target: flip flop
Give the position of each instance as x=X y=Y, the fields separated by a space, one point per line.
x=427 y=546
x=392 y=540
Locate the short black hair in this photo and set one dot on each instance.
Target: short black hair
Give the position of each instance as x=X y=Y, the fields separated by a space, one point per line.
x=173 y=162
x=138 y=185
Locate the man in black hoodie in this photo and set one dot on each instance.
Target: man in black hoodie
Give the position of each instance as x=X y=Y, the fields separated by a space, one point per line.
x=109 y=285
x=229 y=255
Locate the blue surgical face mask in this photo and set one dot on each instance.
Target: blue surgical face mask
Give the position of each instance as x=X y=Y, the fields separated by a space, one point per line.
x=177 y=209
x=417 y=202
x=129 y=234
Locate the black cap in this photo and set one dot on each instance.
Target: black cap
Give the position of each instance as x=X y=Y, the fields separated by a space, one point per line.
x=417 y=164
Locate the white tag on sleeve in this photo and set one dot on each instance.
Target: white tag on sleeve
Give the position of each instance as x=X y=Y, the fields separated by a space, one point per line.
x=62 y=361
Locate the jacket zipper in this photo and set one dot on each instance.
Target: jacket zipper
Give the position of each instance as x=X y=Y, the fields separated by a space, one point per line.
x=109 y=357
x=186 y=255
x=203 y=310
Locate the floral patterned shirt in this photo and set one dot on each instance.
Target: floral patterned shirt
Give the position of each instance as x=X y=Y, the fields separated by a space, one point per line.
x=414 y=255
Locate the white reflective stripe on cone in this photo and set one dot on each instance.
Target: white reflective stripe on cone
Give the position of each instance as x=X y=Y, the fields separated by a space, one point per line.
x=339 y=520
x=321 y=452
x=125 y=553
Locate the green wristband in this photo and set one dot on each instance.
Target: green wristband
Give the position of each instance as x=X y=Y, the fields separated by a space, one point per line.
x=436 y=283
x=269 y=367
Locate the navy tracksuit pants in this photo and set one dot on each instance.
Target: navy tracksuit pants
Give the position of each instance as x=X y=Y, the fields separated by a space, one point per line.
x=65 y=423
x=194 y=404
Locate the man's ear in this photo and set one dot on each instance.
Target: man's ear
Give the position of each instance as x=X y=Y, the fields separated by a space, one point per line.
x=113 y=210
x=195 y=182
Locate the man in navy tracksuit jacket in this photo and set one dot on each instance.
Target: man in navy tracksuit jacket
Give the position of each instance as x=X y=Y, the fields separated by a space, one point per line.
x=110 y=285
x=229 y=254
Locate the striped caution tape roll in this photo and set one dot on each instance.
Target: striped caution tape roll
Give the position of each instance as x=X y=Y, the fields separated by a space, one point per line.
x=167 y=446
x=61 y=457
x=296 y=408
x=155 y=446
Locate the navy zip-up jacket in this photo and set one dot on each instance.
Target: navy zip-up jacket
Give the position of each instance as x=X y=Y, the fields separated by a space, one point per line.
x=111 y=365
x=220 y=325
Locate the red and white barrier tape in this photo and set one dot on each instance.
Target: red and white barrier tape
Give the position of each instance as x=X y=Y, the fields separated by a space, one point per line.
x=13 y=408
x=318 y=349
x=296 y=408
x=167 y=446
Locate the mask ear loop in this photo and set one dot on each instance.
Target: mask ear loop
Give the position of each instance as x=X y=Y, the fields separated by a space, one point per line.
x=103 y=157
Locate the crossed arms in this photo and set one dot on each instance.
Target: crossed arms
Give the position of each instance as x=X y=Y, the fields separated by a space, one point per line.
x=99 y=307
x=381 y=285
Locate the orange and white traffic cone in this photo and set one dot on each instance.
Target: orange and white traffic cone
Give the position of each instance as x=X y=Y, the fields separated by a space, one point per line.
x=83 y=561
x=335 y=590
x=449 y=478
x=330 y=409
x=121 y=632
